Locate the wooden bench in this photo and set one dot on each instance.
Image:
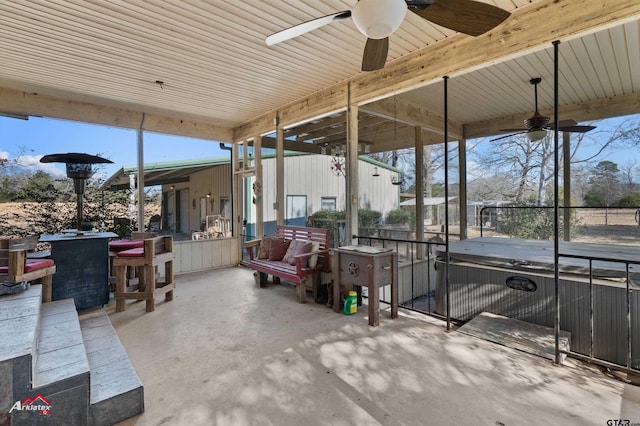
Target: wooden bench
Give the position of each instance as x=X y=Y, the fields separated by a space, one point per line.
x=16 y=266
x=300 y=272
x=155 y=251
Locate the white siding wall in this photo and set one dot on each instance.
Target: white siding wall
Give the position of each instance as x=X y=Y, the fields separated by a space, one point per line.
x=215 y=180
x=311 y=175
x=201 y=255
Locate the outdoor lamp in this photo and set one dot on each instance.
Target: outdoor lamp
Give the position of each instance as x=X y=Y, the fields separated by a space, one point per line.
x=378 y=18
x=536 y=134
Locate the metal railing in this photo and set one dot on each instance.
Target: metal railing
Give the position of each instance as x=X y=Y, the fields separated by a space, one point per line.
x=587 y=314
x=419 y=290
x=605 y=318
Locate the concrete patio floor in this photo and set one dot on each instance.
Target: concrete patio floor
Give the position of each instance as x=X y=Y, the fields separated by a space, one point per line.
x=227 y=353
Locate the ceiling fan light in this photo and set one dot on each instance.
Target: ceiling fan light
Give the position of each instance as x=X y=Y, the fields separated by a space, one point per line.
x=378 y=19
x=536 y=134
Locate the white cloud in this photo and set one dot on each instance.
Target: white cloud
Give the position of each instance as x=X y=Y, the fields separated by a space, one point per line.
x=32 y=163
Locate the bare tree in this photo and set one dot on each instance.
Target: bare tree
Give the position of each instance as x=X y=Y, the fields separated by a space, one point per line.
x=529 y=164
x=628 y=174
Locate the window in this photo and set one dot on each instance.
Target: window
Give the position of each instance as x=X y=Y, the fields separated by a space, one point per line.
x=225 y=207
x=328 y=203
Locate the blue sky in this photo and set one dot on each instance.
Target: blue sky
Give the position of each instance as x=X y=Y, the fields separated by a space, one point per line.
x=31 y=139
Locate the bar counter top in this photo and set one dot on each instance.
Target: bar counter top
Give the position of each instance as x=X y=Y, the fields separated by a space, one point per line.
x=76 y=235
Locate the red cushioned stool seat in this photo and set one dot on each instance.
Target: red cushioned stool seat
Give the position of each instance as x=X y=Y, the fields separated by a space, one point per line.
x=134 y=252
x=120 y=245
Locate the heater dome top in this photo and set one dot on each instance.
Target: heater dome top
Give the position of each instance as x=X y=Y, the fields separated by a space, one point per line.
x=74 y=157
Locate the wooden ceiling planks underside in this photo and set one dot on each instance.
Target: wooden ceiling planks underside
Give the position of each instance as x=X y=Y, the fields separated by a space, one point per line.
x=99 y=62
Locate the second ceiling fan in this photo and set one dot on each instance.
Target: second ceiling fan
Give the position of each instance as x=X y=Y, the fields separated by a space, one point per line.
x=536 y=126
x=378 y=19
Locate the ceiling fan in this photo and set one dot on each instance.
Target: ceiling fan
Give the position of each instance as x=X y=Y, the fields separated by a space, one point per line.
x=536 y=126
x=378 y=19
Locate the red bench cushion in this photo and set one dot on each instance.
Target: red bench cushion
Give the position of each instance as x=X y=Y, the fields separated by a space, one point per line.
x=31 y=265
x=35 y=264
x=134 y=252
x=120 y=245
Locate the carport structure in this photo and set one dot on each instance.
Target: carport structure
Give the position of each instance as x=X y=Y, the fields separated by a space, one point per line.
x=203 y=69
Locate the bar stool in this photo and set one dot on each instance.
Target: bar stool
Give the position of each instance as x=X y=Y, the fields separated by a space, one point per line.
x=155 y=251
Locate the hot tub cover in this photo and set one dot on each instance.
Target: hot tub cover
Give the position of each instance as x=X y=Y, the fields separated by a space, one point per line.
x=538 y=256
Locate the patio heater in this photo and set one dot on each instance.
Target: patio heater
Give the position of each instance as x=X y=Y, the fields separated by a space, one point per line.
x=79 y=169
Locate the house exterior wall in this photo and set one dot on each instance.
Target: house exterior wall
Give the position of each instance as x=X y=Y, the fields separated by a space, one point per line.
x=202 y=255
x=311 y=175
x=214 y=181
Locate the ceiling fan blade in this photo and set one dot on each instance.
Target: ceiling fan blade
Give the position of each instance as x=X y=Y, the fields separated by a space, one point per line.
x=563 y=123
x=513 y=130
x=508 y=136
x=576 y=129
x=465 y=16
x=375 y=54
x=305 y=27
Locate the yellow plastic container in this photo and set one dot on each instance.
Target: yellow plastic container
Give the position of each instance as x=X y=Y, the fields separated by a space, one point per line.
x=351 y=303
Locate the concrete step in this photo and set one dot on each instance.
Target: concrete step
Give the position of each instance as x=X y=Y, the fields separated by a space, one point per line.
x=60 y=369
x=116 y=390
x=19 y=322
x=60 y=353
x=525 y=336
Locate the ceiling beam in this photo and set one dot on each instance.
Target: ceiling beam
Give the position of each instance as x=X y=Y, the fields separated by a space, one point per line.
x=595 y=110
x=268 y=142
x=34 y=104
x=316 y=125
x=413 y=115
x=528 y=29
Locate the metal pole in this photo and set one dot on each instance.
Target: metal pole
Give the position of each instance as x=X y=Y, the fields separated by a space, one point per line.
x=556 y=199
x=79 y=201
x=628 y=306
x=566 y=184
x=140 y=177
x=446 y=199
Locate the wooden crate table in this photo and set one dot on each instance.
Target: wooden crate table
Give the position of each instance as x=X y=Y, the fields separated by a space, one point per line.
x=370 y=267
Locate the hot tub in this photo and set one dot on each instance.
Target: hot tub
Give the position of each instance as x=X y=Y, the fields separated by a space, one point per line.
x=515 y=278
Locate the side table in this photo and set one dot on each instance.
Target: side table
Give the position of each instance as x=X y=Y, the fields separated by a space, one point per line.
x=371 y=267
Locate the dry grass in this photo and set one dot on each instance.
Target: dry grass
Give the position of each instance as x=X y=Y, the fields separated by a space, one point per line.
x=27 y=218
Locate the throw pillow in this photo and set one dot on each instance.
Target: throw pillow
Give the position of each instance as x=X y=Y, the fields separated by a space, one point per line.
x=278 y=248
x=313 y=260
x=291 y=251
x=301 y=248
x=263 y=249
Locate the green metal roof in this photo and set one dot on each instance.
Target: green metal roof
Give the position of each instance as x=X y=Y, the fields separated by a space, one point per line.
x=170 y=172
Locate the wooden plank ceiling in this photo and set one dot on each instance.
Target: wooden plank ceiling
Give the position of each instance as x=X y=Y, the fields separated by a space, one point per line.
x=201 y=68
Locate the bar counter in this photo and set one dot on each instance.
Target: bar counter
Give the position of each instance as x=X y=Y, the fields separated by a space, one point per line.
x=82 y=267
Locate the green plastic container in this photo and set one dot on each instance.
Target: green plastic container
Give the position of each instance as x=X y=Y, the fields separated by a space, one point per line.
x=351 y=303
